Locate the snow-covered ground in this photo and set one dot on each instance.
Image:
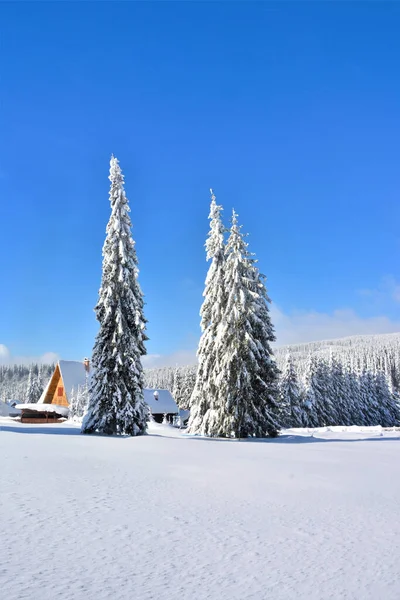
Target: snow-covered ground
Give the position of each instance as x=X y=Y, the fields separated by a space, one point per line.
x=167 y=517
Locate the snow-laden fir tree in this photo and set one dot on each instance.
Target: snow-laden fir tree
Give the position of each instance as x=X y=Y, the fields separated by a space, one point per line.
x=29 y=388
x=33 y=389
x=116 y=404
x=188 y=383
x=356 y=413
x=292 y=404
x=340 y=392
x=320 y=408
x=387 y=402
x=177 y=387
x=248 y=374
x=369 y=401
x=205 y=393
x=245 y=372
x=72 y=405
x=78 y=403
x=39 y=383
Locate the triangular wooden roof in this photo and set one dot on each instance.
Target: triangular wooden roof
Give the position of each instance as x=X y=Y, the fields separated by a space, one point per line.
x=68 y=374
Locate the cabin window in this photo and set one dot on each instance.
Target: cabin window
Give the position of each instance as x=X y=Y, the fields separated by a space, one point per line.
x=60 y=391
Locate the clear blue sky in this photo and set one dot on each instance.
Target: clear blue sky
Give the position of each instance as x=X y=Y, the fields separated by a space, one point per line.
x=290 y=111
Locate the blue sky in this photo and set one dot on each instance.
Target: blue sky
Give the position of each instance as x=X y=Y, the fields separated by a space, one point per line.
x=290 y=111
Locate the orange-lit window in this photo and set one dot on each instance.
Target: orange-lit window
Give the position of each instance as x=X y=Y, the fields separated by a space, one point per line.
x=60 y=391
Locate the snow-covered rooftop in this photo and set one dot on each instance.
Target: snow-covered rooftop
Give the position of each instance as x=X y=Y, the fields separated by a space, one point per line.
x=55 y=408
x=164 y=404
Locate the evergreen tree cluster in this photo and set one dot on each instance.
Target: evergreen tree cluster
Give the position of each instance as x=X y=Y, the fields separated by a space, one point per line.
x=334 y=394
x=79 y=403
x=235 y=392
x=354 y=381
x=34 y=388
x=15 y=380
x=376 y=353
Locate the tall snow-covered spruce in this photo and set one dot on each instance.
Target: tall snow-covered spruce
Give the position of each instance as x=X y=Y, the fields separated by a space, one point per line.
x=248 y=375
x=116 y=403
x=205 y=394
x=236 y=385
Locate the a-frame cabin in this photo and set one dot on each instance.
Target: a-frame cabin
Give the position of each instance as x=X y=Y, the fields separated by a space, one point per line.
x=67 y=376
x=53 y=404
x=55 y=391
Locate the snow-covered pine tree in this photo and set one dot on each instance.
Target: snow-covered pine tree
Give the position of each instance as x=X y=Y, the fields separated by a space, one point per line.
x=321 y=411
x=246 y=375
x=387 y=404
x=29 y=388
x=81 y=401
x=188 y=383
x=39 y=383
x=338 y=387
x=177 y=387
x=116 y=404
x=205 y=393
x=292 y=405
x=33 y=389
x=369 y=400
x=72 y=404
x=355 y=405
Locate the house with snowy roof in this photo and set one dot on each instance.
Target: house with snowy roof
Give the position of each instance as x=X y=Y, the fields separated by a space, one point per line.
x=69 y=375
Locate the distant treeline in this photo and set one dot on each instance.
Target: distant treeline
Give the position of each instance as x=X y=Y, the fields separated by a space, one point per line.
x=14 y=379
x=351 y=381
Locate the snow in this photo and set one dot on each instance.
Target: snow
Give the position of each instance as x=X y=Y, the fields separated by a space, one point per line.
x=45 y=408
x=312 y=515
x=5 y=409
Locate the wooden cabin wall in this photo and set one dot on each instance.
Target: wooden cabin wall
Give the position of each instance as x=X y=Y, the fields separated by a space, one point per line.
x=56 y=390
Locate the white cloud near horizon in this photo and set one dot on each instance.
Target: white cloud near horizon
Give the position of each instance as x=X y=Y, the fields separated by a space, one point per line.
x=6 y=358
x=297 y=328
x=388 y=290
x=312 y=326
x=179 y=358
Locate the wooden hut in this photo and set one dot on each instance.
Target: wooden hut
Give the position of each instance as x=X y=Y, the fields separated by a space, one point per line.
x=53 y=404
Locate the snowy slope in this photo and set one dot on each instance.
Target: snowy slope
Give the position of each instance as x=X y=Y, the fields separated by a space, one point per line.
x=4 y=409
x=167 y=517
x=371 y=352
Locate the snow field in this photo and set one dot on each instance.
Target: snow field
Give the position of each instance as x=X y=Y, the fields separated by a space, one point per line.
x=169 y=517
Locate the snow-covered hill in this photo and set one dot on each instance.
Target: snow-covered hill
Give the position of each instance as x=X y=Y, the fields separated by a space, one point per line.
x=169 y=518
x=371 y=352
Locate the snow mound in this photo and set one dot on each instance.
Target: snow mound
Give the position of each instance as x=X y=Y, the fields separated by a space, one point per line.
x=6 y=409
